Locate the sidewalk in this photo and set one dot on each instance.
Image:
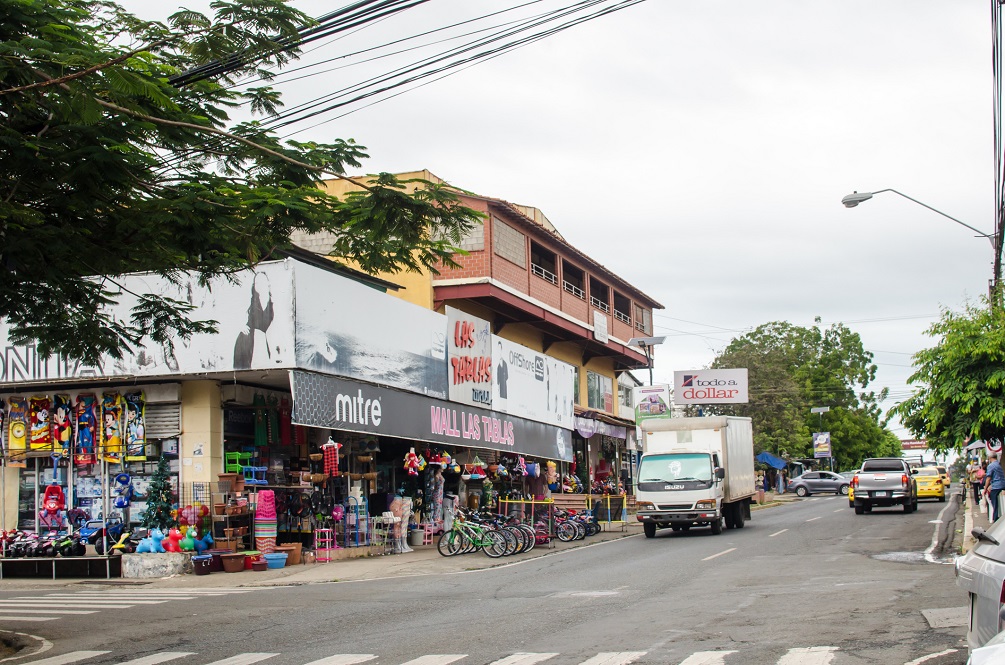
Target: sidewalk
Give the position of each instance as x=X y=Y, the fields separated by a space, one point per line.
x=973 y=516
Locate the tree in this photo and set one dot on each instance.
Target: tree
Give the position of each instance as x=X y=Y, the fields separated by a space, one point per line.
x=160 y=500
x=107 y=167
x=962 y=379
x=792 y=369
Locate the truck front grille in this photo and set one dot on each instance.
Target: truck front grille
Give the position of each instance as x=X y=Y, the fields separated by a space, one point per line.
x=674 y=506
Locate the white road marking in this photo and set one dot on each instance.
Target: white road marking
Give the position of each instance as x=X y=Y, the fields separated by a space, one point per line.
x=67 y=658
x=707 y=658
x=524 y=659
x=809 y=656
x=813 y=519
x=344 y=659
x=839 y=510
x=244 y=659
x=19 y=618
x=27 y=610
x=617 y=658
x=731 y=549
x=16 y=604
x=777 y=532
x=436 y=659
x=94 y=599
x=156 y=658
x=931 y=656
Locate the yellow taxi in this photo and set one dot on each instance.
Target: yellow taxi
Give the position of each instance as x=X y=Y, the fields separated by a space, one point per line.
x=930 y=483
x=944 y=473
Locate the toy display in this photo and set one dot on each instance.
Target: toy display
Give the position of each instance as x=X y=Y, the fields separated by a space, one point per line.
x=111 y=427
x=173 y=541
x=62 y=424
x=17 y=419
x=40 y=428
x=136 y=439
x=53 y=504
x=123 y=490
x=412 y=462
x=152 y=543
x=86 y=408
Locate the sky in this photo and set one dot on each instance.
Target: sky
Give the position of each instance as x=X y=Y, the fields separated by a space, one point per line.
x=701 y=151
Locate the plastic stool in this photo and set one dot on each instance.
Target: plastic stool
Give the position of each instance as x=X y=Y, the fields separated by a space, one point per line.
x=255 y=475
x=324 y=539
x=428 y=531
x=235 y=462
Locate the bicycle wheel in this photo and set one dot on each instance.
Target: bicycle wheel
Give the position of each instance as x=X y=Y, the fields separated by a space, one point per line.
x=566 y=532
x=521 y=537
x=493 y=544
x=592 y=528
x=580 y=530
x=471 y=538
x=516 y=540
x=530 y=535
x=450 y=543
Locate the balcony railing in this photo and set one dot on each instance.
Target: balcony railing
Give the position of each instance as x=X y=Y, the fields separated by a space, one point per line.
x=574 y=290
x=639 y=325
x=543 y=274
x=621 y=316
x=600 y=304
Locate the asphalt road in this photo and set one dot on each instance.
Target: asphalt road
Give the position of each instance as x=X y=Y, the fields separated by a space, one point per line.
x=808 y=583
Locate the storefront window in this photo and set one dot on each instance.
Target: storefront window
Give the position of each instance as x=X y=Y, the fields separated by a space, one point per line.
x=599 y=391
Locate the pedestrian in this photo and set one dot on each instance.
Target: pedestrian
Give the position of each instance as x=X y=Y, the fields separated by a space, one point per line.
x=995 y=480
x=976 y=480
x=781 y=482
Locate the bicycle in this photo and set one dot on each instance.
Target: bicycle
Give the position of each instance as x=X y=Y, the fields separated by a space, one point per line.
x=467 y=536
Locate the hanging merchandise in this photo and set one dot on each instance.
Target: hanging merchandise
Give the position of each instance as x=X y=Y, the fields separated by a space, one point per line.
x=53 y=503
x=17 y=441
x=62 y=424
x=521 y=468
x=3 y=421
x=412 y=462
x=330 y=452
x=123 y=490
x=422 y=463
x=111 y=427
x=86 y=436
x=266 y=522
x=261 y=420
x=552 y=477
x=285 y=422
x=40 y=429
x=136 y=427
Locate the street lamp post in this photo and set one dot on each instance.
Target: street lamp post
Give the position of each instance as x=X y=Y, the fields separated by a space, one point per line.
x=646 y=344
x=855 y=198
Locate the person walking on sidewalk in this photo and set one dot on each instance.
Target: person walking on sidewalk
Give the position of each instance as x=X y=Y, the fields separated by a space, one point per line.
x=995 y=480
x=978 y=481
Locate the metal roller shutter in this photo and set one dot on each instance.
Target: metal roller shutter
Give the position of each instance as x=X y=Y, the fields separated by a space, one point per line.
x=163 y=421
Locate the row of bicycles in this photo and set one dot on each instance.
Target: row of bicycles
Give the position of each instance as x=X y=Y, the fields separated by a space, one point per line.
x=499 y=535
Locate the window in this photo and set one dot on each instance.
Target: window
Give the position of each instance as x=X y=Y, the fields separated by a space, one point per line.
x=575 y=386
x=643 y=320
x=543 y=263
x=599 y=295
x=622 y=308
x=625 y=395
x=509 y=243
x=572 y=280
x=599 y=391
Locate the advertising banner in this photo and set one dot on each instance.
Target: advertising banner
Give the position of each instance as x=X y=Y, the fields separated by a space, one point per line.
x=469 y=358
x=531 y=384
x=651 y=402
x=335 y=403
x=347 y=329
x=253 y=311
x=710 y=386
x=821 y=444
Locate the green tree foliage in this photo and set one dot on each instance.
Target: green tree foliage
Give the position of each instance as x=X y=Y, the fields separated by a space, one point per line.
x=792 y=369
x=107 y=168
x=962 y=378
x=160 y=500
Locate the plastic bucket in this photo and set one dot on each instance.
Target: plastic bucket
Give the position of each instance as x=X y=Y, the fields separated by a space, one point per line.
x=202 y=564
x=232 y=563
x=276 y=559
x=249 y=558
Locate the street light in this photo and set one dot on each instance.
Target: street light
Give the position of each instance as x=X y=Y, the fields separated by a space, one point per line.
x=646 y=344
x=853 y=199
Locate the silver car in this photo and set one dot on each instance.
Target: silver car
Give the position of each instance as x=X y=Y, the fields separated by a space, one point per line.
x=814 y=482
x=981 y=573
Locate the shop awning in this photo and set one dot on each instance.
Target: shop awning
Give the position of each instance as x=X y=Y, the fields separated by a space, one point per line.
x=771 y=460
x=976 y=445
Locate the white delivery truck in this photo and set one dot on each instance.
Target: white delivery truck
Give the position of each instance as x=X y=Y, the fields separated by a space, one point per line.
x=695 y=471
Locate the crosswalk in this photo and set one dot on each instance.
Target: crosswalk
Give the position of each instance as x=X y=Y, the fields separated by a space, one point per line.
x=42 y=607
x=818 y=655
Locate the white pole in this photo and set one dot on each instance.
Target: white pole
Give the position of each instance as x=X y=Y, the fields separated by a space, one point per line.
x=36 y=496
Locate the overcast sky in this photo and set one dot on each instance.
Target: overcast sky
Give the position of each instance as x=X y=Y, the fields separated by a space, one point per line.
x=700 y=150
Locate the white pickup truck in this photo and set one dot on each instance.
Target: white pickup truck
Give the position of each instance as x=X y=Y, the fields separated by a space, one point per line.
x=885 y=481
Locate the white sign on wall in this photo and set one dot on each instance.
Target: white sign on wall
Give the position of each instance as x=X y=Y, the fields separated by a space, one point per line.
x=710 y=386
x=651 y=402
x=600 y=326
x=531 y=384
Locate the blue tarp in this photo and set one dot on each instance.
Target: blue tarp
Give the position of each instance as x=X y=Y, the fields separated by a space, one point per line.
x=771 y=460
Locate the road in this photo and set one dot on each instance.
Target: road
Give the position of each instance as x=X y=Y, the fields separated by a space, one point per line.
x=807 y=583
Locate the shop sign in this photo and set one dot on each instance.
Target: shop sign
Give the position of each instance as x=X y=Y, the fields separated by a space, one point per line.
x=469 y=358
x=587 y=427
x=239 y=422
x=711 y=386
x=821 y=444
x=335 y=403
x=651 y=402
x=531 y=384
x=600 y=327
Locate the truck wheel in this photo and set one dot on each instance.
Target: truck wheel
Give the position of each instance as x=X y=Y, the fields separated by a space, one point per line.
x=650 y=529
x=738 y=515
x=801 y=491
x=860 y=510
x=716 y=527
x=727 y=516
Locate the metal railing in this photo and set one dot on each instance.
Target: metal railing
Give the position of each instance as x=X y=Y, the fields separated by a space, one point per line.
x=599 y=304
x=543 y=273
x=574 y=290
x=621 y=316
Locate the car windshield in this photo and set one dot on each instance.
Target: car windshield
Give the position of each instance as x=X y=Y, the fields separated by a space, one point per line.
x=670 y=467
x=928 y=471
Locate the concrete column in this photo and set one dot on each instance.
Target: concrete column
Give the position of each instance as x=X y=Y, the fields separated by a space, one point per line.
x=12 y=477
x=202 y=431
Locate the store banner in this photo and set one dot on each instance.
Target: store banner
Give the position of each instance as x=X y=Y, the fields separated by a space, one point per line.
x=253 y=311
x=711 y=386
x=469 y=358
x=531 y=384
x=651 y=402
x=821 y=444
x=348 y=329
x=335 y=403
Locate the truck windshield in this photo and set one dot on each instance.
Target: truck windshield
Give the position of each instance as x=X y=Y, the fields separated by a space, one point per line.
x=665 y=468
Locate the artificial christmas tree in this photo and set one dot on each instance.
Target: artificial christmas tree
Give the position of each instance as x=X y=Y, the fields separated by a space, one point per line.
x=160 y=500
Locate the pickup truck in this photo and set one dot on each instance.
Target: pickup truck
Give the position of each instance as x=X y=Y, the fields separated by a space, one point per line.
x=885 y=481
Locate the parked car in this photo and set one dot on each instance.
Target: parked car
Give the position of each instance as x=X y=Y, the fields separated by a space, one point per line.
x=981 y=573
x=992 y=653
x=931 y=485
x=848 y=474
x=946 y=480
x=815 y=482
